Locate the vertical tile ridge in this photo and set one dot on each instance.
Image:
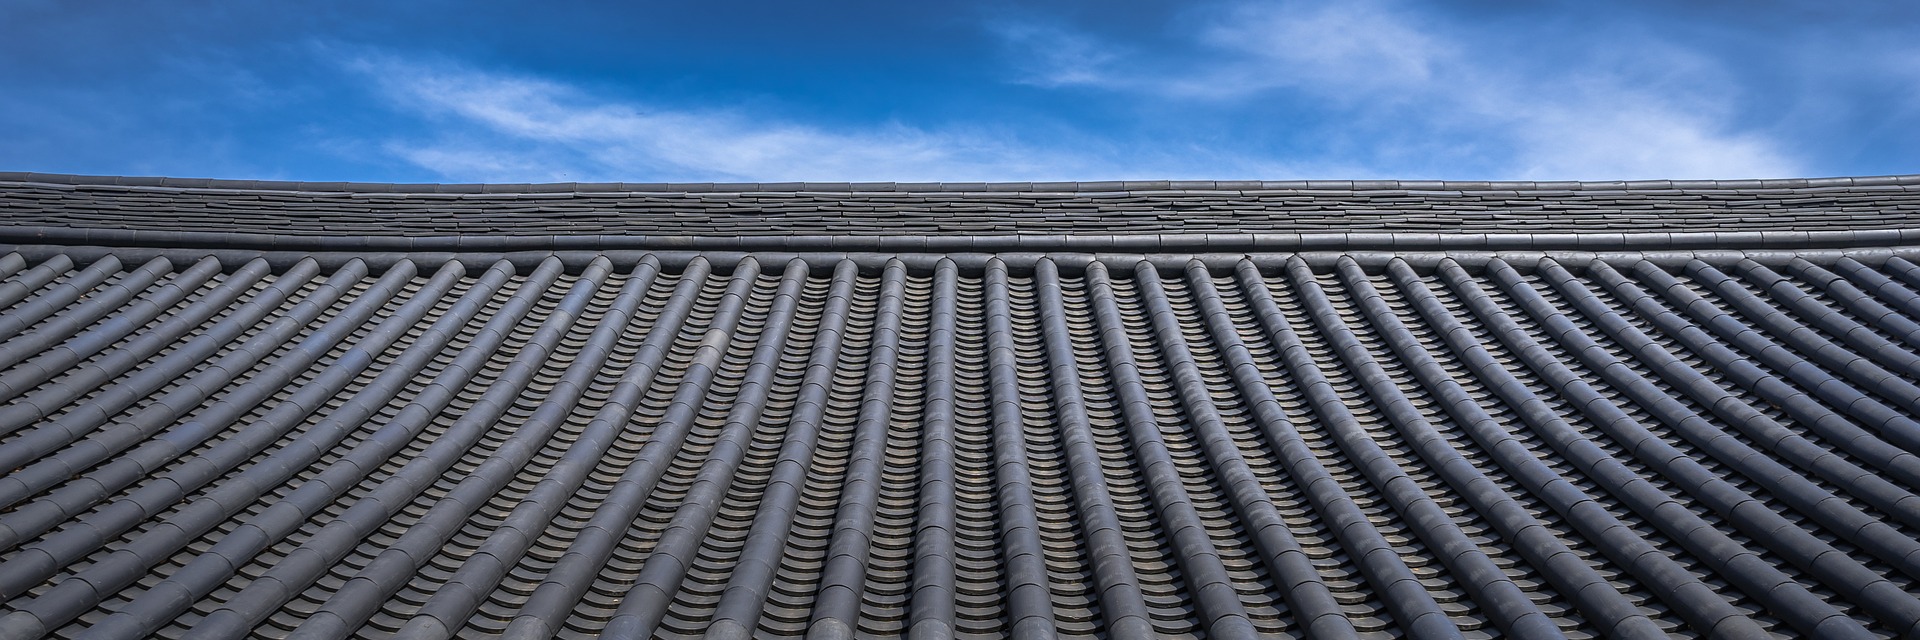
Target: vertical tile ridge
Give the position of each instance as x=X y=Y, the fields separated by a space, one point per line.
x=980 y=595
x=113 y=399
x=1211 y=587
x=665 y=567
x=1303 y=587
x=885 y=608
x=1121 y=601
x=1073 y=589
x=1218 y=482
x=844 y=579
x=1150 y=548
x=794 y=594
x=1030 y=607
x=567 y=581
x=1785 y=597
x=740 y=608
x=931 y=609
x=1598 y=600
x=1409 y=601
x=444 y=614
x=1695 y=601
x=980 y=574
x=628 y=432
x=1489 y=587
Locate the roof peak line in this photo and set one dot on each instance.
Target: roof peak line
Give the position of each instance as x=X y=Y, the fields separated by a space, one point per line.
x=873 y=262
x=943 y=187
x=1129 y=243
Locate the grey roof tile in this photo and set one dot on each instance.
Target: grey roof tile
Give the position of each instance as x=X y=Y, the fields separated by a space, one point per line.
x=1694 y=421
x=940 y=208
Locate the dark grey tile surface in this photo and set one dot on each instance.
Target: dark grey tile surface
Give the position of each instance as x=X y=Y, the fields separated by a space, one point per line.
x=35 y=200
x=627 y=446
x=1515 y=450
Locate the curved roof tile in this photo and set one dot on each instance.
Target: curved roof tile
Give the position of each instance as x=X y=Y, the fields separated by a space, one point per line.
x=211 y=430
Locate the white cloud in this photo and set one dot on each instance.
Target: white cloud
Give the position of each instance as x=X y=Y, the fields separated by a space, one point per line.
x=1060 y=57
x=1401 y=97
x=1638 y=137
x=513 y=128
x=1633 y=110
x=1341 y=48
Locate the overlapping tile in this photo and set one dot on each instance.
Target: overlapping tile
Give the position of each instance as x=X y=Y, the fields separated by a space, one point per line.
x=640 y=445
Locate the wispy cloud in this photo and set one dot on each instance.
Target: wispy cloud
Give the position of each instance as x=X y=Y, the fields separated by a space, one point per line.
x=498 y=127
x=1345 y=50
x=1059 y=57
x=1631 y=110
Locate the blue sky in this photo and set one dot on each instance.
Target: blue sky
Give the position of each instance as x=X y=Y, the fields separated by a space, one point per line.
x=714 y=91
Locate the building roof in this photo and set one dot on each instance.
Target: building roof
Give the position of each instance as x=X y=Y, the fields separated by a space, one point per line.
x=896 y=217
x=1130 y=410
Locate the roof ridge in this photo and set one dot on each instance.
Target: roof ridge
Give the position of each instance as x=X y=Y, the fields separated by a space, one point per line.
x=949 y=187
x=1269 y=242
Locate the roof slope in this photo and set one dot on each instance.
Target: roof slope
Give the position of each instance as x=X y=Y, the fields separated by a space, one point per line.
x=257 y=440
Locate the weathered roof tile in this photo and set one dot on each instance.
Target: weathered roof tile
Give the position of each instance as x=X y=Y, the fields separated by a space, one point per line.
x=1114 y=410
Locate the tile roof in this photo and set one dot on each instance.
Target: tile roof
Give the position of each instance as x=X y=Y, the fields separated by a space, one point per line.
x=1119 y=208
x=1398 y=436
